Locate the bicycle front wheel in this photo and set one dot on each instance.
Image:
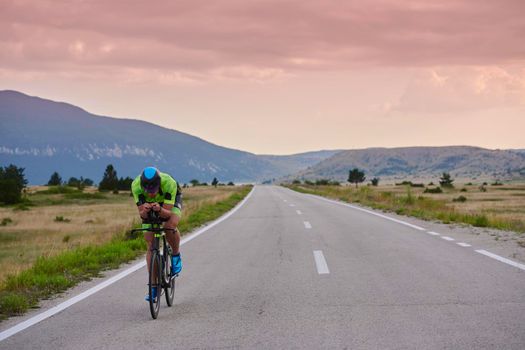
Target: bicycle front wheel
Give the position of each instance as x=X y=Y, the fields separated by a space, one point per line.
x=155 y=278
x=169 y=281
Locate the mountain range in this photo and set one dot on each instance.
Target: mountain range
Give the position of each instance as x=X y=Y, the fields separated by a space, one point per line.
x=44 y=136
x=463 y=162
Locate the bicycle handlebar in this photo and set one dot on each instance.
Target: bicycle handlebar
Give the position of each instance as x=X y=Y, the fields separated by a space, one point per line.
x=153 y=219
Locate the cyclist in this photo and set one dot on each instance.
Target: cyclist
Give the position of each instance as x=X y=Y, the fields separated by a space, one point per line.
x=159 y=192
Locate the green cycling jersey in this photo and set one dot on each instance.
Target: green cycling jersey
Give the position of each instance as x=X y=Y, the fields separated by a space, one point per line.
x=169 y=192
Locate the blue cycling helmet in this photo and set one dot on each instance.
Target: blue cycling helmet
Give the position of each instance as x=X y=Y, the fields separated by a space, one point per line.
x=150 y=179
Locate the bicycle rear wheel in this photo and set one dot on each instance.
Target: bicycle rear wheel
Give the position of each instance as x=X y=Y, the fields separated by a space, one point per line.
x=155 y=278
x=169 y=281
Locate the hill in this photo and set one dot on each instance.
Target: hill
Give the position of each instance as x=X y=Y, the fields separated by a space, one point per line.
x=421 y=163
x=44 y=136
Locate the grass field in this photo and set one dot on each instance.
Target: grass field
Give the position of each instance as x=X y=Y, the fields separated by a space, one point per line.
x=501 y=207
x=58 y=239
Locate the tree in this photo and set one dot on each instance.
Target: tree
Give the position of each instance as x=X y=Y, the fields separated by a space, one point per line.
x=446 y=180
x=231 y=183
x=214 y=182
x=12 y=182
x=194 y=182
x=322 y=182
x=375 y=181
x=79 y=183
x=55 y=180
x=124 y=184
x=109 y=180
x=73 y=182
x=356 y=176
x=86 y=181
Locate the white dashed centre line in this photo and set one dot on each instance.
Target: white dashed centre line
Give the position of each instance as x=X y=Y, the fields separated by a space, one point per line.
x=464 y=244
x=502 y=259
x=320 y=262
x=299 y=212
x=448 y=238
x=307 y=224
x=433 y=233
x=292 y=205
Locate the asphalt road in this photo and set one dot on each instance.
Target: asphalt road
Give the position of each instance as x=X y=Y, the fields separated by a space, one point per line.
x=288 y=270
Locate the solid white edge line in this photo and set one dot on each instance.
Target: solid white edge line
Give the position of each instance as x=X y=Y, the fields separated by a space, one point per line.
x=502 y=259
x=299 y=212
x=433 y=233
x=62 y=306
x=464 y=244
x=320 y=262
x=446 y=238
x=307 y=224
x=369 y=212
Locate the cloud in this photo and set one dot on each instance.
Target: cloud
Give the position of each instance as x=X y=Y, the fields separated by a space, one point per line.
x=458 y=89
x=272 y=38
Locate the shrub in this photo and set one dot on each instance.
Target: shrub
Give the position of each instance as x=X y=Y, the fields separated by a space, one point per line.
x=446 y=180
x=409 y=199
x=409 y=183
x=497 y=183
x=22 y=206
x=460 y=199
x=61 y=219
x=433 y=190
x=482 y=188
x=58 y=190
x=13 y=304
x=6 y=221
x=375 y=181
x=322 y=182
x=481 y=221
x=463 y=189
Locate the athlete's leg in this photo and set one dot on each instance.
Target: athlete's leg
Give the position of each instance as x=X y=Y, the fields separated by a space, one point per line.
x=148 y=236
x=173 y=238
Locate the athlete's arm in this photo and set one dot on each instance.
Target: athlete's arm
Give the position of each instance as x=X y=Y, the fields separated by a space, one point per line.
x=144 y=209
x=178 y=197
x=164 y=211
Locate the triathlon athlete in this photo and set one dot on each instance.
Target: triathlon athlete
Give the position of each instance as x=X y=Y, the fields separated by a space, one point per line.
x=159 y=192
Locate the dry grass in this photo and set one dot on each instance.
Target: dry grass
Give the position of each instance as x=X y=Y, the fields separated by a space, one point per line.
x=35 y=232
x=498 y=203
x=500 y=207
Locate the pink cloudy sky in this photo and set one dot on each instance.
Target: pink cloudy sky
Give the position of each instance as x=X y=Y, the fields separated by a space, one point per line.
x=281 y=76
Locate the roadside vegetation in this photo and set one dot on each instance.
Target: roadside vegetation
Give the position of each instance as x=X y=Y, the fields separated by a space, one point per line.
x=497 y=206
x=58 y=236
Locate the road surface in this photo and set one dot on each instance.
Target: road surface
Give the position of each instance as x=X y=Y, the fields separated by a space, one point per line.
x=289 y=270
